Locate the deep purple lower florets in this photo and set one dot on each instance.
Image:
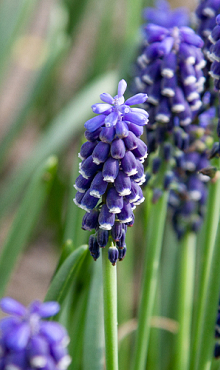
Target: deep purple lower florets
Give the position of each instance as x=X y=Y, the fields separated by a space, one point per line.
x=27 y=342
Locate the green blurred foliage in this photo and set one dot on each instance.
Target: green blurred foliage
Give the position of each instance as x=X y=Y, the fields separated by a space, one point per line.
x=57 y=103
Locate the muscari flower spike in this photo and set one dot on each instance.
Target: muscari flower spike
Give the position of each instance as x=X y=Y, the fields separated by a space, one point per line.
x=27 y=341
x=214 y=56
x=170 y=71
x=174 y=17
x=206 y=13
x=111 y=171
x=188 y=196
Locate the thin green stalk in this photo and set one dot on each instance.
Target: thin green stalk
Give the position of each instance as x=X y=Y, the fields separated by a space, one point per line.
x=210 y=230
x=110 y=312
x=186 y=287
x=209 y=313
x=155 y=230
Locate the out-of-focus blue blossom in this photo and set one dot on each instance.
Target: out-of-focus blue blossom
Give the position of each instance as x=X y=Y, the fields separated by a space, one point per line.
x=111 y=172
x=214 y=53
x=214 y=58
x=28 y=342
x=170 y=71
x=206 y=13
x=188 y=196
x=164 y=16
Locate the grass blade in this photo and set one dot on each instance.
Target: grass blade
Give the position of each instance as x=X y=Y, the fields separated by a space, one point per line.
x=186 y=290
x=26 y=218
x=209 y=236
x=155 y=230
x=36 y=91
x=13 y=16
x=93 y=357
x=64 y=277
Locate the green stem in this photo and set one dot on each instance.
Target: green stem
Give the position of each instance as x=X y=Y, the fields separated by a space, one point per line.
x=186 y=287
x=155 y=231
x=110 y=312
x=209 y=313
x=210 y=231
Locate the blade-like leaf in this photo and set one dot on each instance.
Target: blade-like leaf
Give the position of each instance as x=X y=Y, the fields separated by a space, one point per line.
x=64 y=277
x=13 y=17
x=26 y=218
x=93 y=356
x=35 y=91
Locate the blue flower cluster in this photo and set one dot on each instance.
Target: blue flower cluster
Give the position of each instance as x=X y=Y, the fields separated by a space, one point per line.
x=111 y=172
x=214 y=54
x=170 y=71
x=206 y=13
x=178 y=17
x=189 y=193
x=27 y=342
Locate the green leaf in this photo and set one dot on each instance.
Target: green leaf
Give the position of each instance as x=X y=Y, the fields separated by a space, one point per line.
x=67 y=248
x=206 y=249
x=155 y=231
x=58 y=135
x=185 y=301
x=35 y=91
x=25 y=219
x=65 y=275
x=14 y=15
x=93 y=354
x=76 y=329
x=133 y=19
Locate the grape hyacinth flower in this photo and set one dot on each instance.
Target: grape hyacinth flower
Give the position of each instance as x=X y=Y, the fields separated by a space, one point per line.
x=111 y=171
x=27 y=342
x=178 y=17
x=170 y=71
x=192 y=173
x=215 y=53
x=206 y=13
x=214 y=57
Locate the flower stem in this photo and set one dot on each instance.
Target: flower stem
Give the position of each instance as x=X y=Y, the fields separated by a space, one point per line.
x=110 y=311
x=210 y=299
x=155 y=231
x=186 y=287
x=210 y=231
